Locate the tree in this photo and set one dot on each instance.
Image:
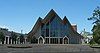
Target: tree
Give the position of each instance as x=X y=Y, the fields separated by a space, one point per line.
x=14 y=37
x=21 y=38
x=96 y=28
x=2 y=37
x=34 y=40
x=92 y=42
x=96 y=33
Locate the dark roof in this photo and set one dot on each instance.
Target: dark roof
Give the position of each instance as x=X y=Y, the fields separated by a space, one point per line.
x=8 y=33
x=47 y=18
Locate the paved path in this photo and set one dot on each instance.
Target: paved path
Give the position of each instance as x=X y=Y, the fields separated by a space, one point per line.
x=73 y=48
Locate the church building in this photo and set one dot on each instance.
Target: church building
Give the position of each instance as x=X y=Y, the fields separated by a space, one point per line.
x=54 y=30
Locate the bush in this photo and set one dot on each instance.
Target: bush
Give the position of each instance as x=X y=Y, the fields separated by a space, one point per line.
x=34 y=40
x=92 y=42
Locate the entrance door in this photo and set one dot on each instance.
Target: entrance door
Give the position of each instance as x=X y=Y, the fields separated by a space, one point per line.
x=65 y=40
x=40 y=41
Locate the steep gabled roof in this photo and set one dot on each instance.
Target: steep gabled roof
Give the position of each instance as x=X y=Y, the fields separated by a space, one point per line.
x=65 y=20
x=47 y=18
x=37 y=25
x=50 y=16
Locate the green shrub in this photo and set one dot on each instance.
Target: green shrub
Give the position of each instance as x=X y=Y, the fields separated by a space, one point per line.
x=92 y=42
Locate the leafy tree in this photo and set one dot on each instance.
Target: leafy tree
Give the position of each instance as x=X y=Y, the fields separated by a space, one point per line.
x=96 y=33
x=28 y=38
x=96 y=16
x=2 y=37
x=96 y=28
x=92 y=42
x=34 y=40
x=14 y=37
x=21 y=38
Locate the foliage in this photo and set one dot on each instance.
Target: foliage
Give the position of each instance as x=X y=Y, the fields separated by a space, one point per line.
x=96 y=28
x=28 y=39
x=21 y=38
x=92 y=42
x=14 y=37
x=96 y=16
x=96 y=33
x=34 y=40
x=2 y=37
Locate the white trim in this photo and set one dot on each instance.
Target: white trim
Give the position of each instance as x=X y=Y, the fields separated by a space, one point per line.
x=64 y=38
x=42 y=39
x=8 y=40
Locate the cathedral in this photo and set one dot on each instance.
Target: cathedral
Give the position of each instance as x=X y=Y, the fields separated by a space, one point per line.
x=54 y=30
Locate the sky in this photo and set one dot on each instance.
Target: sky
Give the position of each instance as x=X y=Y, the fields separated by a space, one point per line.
x=17 y=15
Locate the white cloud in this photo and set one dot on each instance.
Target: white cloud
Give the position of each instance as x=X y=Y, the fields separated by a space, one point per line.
x=7 y=27
x=3 y=26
